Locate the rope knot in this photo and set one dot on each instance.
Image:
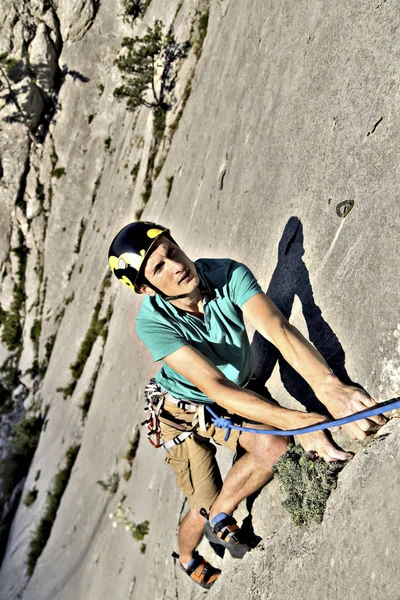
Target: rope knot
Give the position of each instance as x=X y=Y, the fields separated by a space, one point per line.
x=223 y=422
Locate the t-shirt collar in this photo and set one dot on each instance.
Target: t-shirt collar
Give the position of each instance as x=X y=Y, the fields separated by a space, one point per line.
x=205 y=285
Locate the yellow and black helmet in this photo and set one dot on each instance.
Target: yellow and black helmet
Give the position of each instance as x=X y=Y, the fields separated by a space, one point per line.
x=129 y=249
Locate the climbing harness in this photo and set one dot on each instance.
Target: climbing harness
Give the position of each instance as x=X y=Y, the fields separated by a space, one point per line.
x=155 y=398
x=226 y=423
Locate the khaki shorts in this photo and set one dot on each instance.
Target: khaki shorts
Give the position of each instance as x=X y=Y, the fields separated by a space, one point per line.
x=193 y=462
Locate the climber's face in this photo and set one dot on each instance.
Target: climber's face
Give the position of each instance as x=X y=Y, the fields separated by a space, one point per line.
x=170 y=270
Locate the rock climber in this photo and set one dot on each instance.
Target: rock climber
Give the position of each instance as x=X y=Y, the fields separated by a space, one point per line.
x=192 y=320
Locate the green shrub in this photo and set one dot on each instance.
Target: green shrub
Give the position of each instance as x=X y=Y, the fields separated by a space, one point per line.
x=138 y=69
x=69 y=299
x=35 y=334
x=148 y=180
x=141 y=530
x=48 y=350
x=185 y=97
x=135 y=171
x=133 y=9
x=307 y=483
x=68 y=390
x=203 y=26
x=10 y=375
x=110 y=484
x=80 y=235
x=35 y=337
x=124 y=516
x=12 y=328
x=127 y=474
x=8 y=63
x=97 y=327
x=159 y=118
x=69 y=275
x=42 y=534
x=27 y=433
x=138 y=65
x=88 y=395
x=178 y=8
x=11 y=320
x=30 y=497
x=133 y=446
x=21 y=251
x=49 y=346
x=58 y=172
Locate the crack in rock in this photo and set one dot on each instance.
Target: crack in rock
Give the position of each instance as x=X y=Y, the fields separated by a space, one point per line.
x=375 y=126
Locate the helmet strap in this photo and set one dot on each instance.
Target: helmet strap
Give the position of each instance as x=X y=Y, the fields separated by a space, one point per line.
x=169 y=298
x=160 y=293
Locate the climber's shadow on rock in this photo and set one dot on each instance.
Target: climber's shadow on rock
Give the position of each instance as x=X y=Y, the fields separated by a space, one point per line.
x=290 y=279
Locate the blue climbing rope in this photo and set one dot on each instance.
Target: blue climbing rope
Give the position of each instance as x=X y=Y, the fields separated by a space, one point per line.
x=226 y=423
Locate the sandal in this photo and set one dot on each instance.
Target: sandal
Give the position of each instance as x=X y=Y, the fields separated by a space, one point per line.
x=228 y=534
x=200 y=571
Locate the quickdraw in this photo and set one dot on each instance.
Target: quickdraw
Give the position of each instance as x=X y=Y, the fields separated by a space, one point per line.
x=154 y=398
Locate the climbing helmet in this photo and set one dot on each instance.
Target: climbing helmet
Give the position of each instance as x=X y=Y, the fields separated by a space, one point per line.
x=129 y=249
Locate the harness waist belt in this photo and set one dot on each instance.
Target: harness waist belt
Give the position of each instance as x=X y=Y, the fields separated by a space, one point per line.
x=186 y=405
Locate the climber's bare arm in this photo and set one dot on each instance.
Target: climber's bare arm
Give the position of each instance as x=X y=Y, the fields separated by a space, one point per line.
x=340 y=399
x=210 y=380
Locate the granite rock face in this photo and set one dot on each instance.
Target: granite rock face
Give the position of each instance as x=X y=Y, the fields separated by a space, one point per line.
x=287 y=113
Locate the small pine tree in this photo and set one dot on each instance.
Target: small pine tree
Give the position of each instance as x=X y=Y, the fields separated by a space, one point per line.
x=139 y=63
x=133 y=9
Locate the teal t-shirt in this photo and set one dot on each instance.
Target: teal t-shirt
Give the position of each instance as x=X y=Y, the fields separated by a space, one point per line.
x=221 y=337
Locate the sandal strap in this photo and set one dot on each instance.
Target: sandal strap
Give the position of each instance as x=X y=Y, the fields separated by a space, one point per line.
x=201 y=571
x=197 y=566
x=228 y=530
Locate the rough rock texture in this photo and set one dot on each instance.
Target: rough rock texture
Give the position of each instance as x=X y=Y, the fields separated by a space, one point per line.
x=292 y=111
